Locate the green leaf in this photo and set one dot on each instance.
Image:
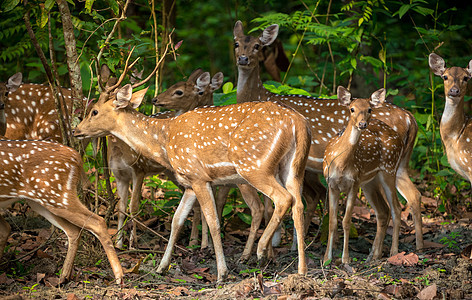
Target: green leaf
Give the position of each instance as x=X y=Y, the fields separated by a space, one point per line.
x=49 y=4
x=354 y=62
x=403 y=10
x=44 y=16
x=228 y=87
x=372 y=60
x=9 y=5
x=227 y=209
x=88 y=5
x=245 y=218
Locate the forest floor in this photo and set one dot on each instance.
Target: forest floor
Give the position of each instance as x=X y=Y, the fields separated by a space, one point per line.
x=443 y=270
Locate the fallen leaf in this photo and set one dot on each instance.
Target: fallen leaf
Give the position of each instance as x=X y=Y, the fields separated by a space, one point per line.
x=134 y=269
x=467 y=252
x=52 y=281
x=39 y=277
x=428 y=293
x=72 y=297
x=361 y=212
x=404 y=260
x=429 y=244
x=40 y=253
x=179 y=291
x=5 y=280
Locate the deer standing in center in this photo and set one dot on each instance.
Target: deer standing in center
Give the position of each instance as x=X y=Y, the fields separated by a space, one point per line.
x=128 y=166
x=215 y=145
x=365 y=154
x=326 y=117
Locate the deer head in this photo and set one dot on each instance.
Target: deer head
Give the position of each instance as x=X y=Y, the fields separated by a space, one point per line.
x=362 y=110
x=247 y=48
x=195 y=92
x=455 y=78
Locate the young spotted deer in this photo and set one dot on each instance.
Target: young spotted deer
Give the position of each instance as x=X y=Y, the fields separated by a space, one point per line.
x=365 y=154
x=326 y=117
x=45 y=175
x=456 y=126
x=264 y=144
x=129 y=166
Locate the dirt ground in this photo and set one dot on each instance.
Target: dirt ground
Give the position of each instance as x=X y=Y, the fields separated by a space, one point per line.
x=443 y=270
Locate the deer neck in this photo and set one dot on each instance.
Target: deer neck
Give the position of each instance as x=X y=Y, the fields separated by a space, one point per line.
x=346 y=146
x=453 y=119
x=145 y=135
x=250 y=87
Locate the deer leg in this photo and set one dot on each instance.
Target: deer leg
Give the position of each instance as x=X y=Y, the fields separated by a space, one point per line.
x=333 y=223
x=122 y=186
x=382 y=213
x=409 y=191
x=388 y=183
x=73 y=236
x=207 y=202
x=253 y=201
x=294 y=187
x=197 y=218
x=205 y=239
x=5 y=230
x=185 y=205
x=83 y=218
x=351 y=197
x=138 y=179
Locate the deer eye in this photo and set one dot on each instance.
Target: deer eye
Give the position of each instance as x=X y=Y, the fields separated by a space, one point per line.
x=352 y=109
x=445 y=77
x=200 y=93
x=236 y=45
x=179 y=92
x=94 y=112
x=369 y=110
x=257 y=46
x=466 y=78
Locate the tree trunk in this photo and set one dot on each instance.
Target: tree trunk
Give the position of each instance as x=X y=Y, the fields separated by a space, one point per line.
x=72 y=59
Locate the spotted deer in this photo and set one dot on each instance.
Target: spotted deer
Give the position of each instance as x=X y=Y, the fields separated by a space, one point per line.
x=129 y=166
x=326 y=118
x=455 y=126
x=45 y=175
x=215 y=145
x=365 y=154
x=5 y=89
x=30 y=111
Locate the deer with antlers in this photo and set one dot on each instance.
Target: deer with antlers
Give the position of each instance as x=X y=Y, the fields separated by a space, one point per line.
x=214 y=145
x=129 y=166
x=45 y=175
x=326 y=118
x=365 y=154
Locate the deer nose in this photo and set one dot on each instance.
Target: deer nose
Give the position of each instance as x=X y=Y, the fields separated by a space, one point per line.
x=2 y=105
x=362 y=125
x=154 y=101
x=243 y=60
x=454 y=92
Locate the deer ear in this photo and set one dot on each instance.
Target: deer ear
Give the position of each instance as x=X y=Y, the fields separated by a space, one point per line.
x=377 y=99
x=216 y=81
x=344 y=97
x=203 y=81
x=269 y=35
x=14 y=82
x=469 y=68
x=437 y=64
x=238 y=29
x=136 y=75
x=137 y=98
x=123 y=96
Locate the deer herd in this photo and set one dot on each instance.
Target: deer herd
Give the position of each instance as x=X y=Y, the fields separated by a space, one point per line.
x=277 y=145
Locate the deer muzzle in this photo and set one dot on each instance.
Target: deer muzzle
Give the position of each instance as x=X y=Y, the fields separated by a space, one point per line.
x=243 y=60
x=454 y=92
x=362 y=125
